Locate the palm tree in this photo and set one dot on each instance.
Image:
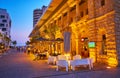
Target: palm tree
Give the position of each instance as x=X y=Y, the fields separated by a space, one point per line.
x=14 y=43
x=1 y=46
x=34 y=39
x=1 y=35
x=1 y=43
x=51 y=32
x=27 y=43
x=7 y=39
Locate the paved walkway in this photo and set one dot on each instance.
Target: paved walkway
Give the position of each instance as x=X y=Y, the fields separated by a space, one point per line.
x=20 y=65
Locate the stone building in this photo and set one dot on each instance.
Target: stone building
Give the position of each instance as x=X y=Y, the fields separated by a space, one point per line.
x=94 y=26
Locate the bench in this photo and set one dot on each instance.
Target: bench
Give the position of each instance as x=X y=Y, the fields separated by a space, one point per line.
x=52 y=59
x=78 y=62
x=62 y=63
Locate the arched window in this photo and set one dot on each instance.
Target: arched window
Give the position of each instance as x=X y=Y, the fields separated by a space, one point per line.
x=104 y=44
x=102 y=2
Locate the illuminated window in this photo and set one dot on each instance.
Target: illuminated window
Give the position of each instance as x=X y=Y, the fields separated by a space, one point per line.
x=55 y=21
x=71 y=20
x=86 y=11
x=102 y=2
x=81 y=2
x=81 y=14
x=65 y=14
x=59 y=18
x=73 y=8
x=104 y=48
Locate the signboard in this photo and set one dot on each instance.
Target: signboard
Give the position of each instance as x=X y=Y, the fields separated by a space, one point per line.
x=91 y=44
x=67 y=41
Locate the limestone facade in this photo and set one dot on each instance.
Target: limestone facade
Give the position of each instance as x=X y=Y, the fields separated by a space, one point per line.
x=88 y=21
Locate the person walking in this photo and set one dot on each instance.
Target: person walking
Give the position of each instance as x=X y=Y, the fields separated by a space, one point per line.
x=28 y=50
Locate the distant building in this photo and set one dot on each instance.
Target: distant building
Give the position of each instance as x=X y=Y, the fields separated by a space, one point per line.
x=5 y=23
x=37 y=13
x=1 y=36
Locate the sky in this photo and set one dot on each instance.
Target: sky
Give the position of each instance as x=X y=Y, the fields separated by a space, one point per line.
x=21 y=13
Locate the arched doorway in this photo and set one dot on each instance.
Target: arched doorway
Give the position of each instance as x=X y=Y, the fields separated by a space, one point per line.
x=83 y=44
x=102 y=41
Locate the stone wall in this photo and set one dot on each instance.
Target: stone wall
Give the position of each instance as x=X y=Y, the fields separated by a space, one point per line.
x=101 y=21
x=117 y=27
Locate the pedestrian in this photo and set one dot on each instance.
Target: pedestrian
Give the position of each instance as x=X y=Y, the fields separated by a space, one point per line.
x=28 y=50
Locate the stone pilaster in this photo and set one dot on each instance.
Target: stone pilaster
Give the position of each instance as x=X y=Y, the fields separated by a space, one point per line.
x=77 y=10
x=68 y=16
x=62 y=48
x=77 y=46
x=62 y=20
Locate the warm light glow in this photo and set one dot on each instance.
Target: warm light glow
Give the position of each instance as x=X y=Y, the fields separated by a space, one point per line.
x=82 y=35
x=32 y=56
x=112 y=62
x=52 y=45
x=108 y=67
x=92 y=54
x=56 y=52
x=82 y=39
x=68 y=56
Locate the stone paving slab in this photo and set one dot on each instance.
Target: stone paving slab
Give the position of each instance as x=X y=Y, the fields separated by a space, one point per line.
x=107 y=73
x=20 y=65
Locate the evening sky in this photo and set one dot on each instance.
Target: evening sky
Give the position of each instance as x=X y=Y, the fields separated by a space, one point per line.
x=21 y=13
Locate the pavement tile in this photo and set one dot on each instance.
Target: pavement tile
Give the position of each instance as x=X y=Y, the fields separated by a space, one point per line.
x=20 y=65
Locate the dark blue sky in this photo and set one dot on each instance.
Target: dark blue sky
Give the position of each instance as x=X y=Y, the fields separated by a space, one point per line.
x=21 y=13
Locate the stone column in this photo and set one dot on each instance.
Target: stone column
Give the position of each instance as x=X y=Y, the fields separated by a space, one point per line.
x=61 y=20
x=77 y=10
x=76 y=40
x=76 y=46
x=56 y=21
x=62 y=48
x=68 y=16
